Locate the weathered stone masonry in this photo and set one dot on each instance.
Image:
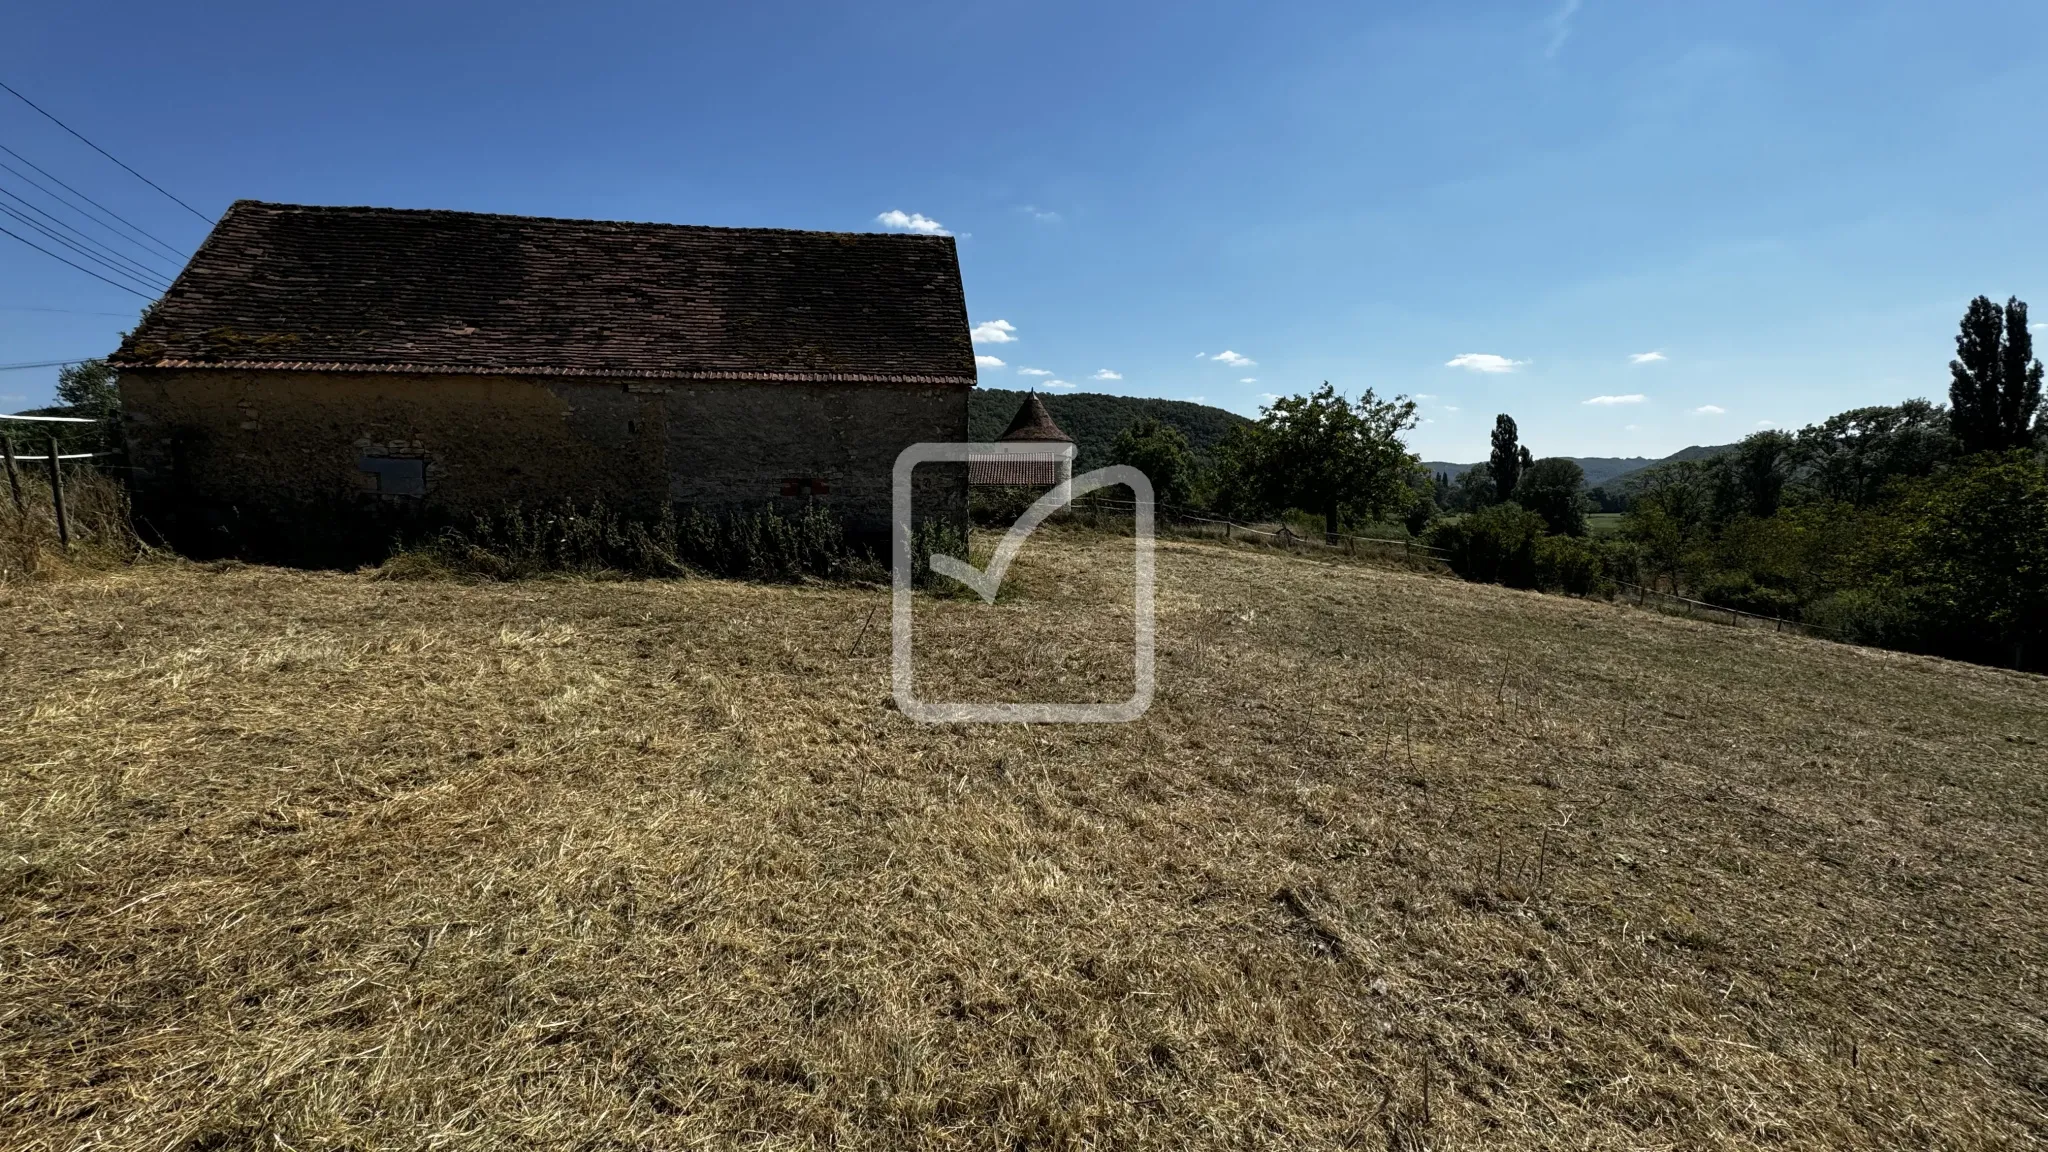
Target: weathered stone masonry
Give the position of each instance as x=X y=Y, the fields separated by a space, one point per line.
x=223 y=444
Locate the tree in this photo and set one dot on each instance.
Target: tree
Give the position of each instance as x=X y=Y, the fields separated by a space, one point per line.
x=1669 y=510
x=1996 y=382
x=1473 y=489
x=1550 y=488
x=1326 y=454
x=1162 y=453
x=1422 y=504
x=1753 y=475
x=1972 y=559
x=1856 y=456
x=1507 y=457
x=88 y=389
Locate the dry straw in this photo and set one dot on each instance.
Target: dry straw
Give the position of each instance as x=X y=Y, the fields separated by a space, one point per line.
x=305 y=860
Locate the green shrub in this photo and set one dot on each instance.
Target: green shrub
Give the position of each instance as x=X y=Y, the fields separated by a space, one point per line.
x=763 y=544
x=999 y=505
x=1621 y=561
x=1570 y=564
x=1496 y=545
x=935 y=536
x=1742 y=592
x=1879 y=616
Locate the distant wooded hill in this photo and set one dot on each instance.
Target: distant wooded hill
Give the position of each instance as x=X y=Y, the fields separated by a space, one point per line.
x=1604 y=470
x=1093 y=419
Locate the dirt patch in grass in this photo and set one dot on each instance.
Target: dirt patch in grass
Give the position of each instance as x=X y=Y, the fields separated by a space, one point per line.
x=320 y=861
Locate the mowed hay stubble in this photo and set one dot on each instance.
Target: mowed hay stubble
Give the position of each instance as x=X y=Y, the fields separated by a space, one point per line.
x=1394 y=861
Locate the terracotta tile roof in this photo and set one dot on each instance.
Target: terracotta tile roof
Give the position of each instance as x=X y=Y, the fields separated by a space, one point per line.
x=1012 y=471
x=1033 y=422
x=387 y=289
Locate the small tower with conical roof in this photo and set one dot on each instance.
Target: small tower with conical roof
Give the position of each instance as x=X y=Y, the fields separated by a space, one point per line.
x=1032 y=425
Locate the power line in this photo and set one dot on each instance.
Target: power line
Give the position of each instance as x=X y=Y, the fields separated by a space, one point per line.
x=38 y=364
x=104 y=210
x=66 y=311
x=116 y=269
x=145 y=281
x=95 y=243
x=104 y=152
x=99 y=246
x=80 y=267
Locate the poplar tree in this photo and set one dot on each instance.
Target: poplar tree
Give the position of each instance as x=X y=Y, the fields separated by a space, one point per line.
x=1995 y=386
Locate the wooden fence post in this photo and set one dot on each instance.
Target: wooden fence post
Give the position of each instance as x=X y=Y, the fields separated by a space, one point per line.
x=57 y=498
x=13 y=477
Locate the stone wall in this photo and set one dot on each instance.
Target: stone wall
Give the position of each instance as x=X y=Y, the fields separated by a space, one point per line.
x=230 y=456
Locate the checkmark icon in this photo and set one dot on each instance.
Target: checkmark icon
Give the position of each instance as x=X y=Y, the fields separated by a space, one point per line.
x=988 y=580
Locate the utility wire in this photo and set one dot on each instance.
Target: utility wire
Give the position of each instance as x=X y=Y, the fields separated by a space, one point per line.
x=37 y=364
x=97 y=245
x=80 y=267
x=93 y=242
x=109 y=155
x=116 y=269
x=104 y=210
x=145 y=281
x=66 y=311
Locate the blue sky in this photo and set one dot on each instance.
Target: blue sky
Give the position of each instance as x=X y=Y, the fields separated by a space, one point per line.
x=1769 y=211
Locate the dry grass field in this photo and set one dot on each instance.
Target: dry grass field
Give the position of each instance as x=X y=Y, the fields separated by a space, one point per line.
x=307 y=860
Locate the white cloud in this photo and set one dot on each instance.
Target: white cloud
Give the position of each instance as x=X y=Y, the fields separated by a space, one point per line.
x=1645 y=357
x=1560 y=23
x=1483 y=362
x=1043 y=215
x=1450 y=408
x=1234 y=360
x=1631 y=398
x=1033 y=372
x=988 y=361
x=1425 y=395
x=1269 y=397
x=1630 y=427
x=916 y=222
x=1106 y=374
x=1248 y=380
x=1766 y=424
x=1057 y=384
x=1711 y=410
x=993 y=332
x=1196 y=399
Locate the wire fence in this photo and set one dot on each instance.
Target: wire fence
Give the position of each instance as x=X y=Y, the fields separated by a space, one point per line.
x=1643 y=597
x=50 y=461
x=1677 y=605
x=1281 y=535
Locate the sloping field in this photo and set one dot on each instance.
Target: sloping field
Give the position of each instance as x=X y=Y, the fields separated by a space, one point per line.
x=301 y=860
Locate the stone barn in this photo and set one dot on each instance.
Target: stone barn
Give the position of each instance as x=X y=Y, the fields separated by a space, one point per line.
x=318 y=375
